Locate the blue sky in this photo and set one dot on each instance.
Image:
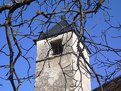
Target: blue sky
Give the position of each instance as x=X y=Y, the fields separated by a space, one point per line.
x=114 y=42
x=22 y=66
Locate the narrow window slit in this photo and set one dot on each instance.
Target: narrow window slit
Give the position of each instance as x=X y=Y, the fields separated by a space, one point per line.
x=57 y=46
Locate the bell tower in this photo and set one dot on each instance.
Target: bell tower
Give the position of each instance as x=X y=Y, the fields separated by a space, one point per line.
x=58 y=67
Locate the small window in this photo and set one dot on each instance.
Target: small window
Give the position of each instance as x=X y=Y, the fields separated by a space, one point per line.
x=57 y=46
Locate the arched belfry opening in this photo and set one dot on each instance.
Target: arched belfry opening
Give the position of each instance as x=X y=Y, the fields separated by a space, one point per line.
x=57 y=60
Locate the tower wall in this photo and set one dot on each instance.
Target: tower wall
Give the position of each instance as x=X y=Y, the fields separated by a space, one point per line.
x=59 y=72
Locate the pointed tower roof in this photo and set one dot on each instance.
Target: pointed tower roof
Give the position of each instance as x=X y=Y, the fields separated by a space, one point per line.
x=61 y=27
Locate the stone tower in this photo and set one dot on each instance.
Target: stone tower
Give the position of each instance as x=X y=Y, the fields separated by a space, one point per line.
x=57 y=59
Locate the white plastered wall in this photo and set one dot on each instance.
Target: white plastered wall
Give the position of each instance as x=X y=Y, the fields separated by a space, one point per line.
x=44 y=51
